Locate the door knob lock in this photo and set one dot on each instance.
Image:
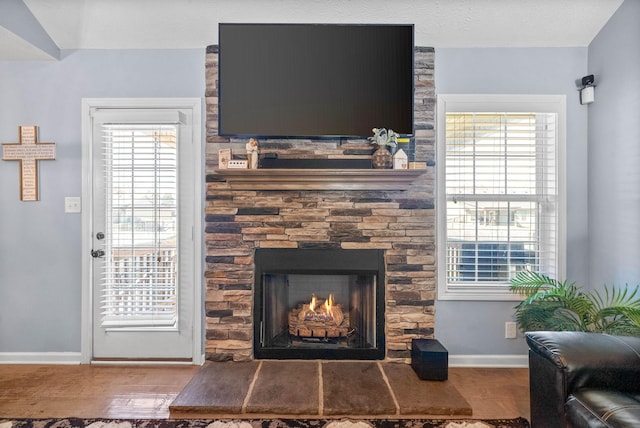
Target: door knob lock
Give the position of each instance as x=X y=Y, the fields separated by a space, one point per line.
x=97 y=253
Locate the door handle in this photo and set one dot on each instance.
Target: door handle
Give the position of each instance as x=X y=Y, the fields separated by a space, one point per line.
x=97 y=253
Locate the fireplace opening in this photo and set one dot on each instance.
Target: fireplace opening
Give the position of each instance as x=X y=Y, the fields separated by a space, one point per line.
x=319 y=304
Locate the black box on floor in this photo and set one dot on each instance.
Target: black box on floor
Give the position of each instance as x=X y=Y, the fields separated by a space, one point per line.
x=429 y=359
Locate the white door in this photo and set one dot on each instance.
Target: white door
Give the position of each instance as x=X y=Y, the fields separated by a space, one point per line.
x=144 y=204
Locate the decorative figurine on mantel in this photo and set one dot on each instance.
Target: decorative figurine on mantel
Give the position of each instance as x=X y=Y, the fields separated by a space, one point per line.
x=400 y=160
x=252 y=153
x=384 y=139
x=28 y=151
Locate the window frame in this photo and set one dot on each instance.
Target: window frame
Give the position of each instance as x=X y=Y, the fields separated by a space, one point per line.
x=517 y=103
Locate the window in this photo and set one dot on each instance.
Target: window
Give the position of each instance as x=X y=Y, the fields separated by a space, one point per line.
x=500 y=192
x=140 y=272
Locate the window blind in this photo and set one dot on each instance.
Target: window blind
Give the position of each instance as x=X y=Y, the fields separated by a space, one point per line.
x=139 y=278
x=501 y=195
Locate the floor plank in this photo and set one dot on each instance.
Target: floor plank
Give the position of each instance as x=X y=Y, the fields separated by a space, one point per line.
x=90 y=391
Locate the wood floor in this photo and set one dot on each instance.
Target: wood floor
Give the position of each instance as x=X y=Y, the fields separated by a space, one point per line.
x=117 y=391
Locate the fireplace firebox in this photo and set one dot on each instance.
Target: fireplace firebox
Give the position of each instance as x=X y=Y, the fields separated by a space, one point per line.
x=319 y=304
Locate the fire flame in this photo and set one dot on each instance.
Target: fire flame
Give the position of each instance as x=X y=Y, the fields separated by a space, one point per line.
x=313 y=303
x=328 y=305
x=320 y=313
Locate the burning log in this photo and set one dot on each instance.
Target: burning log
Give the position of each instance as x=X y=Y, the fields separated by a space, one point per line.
x=319 y=319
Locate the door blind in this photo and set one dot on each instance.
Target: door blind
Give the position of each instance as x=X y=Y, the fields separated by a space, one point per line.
x=501 y=195
x=139 y=280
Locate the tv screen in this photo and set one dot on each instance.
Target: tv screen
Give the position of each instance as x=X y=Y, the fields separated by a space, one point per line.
x=315 y=80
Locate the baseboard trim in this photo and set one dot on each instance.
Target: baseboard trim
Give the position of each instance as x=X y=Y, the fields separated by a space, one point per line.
x=40 y=357
x=498 y=361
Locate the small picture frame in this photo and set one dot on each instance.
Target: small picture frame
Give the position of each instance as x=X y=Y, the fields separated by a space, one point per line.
x=224 y=156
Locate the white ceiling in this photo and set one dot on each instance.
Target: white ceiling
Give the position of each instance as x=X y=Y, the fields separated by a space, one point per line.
x=179 y=24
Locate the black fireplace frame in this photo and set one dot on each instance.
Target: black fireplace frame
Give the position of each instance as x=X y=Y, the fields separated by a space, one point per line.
x=314 y=261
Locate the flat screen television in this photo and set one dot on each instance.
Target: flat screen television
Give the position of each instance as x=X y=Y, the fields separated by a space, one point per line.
x=314 y=80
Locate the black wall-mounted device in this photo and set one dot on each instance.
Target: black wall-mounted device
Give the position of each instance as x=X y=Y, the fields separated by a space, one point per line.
x=588 y=80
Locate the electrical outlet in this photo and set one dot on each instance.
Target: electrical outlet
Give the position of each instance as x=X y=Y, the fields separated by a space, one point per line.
x=510 y=331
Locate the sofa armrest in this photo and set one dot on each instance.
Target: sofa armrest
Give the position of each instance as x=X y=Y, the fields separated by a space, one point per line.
x=590 y=359
x=563 y=362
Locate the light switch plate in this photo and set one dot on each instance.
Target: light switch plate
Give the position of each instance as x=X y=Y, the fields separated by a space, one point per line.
x=72 y=204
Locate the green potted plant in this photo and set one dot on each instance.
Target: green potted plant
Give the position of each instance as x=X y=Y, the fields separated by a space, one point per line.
x=562 y=306
x=384 y=139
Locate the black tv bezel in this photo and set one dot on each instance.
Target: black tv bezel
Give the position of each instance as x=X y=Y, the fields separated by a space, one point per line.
x=315 y=137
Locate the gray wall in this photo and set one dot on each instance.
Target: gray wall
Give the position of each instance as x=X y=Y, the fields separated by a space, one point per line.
x=40 y=260
x=40 y=244
x=478 y=327
x=614 y=151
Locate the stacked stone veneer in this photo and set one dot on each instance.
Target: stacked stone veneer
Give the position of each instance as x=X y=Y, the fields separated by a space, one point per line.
x=400 y=222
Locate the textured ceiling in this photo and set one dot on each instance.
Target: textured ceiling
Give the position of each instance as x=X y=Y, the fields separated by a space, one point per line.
x=166 y=24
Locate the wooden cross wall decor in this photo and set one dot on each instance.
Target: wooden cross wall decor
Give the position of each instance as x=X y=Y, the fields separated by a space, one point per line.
x=28 y=152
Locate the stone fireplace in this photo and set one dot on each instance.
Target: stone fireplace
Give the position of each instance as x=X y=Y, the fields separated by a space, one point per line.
x=396 y=221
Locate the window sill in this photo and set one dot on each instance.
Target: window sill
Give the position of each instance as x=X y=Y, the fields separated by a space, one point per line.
x=496 y=293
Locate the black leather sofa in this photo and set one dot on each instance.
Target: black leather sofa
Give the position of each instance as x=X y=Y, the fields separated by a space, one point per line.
x=583 y=379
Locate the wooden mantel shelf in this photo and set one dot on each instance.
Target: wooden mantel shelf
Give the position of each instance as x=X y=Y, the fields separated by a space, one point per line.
x=319 y=179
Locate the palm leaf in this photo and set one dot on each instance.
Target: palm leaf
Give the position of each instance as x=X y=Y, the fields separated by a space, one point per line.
x=536 y=316
x=553 y=305
x=529 y=283
x=617 y=298
x=565 y=319
x=634 y=316
x=618 y=311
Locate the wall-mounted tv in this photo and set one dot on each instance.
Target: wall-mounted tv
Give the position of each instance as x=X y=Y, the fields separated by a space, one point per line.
x=314 y=80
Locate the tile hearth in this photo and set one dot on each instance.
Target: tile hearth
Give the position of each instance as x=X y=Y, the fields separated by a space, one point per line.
x=315 y=388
